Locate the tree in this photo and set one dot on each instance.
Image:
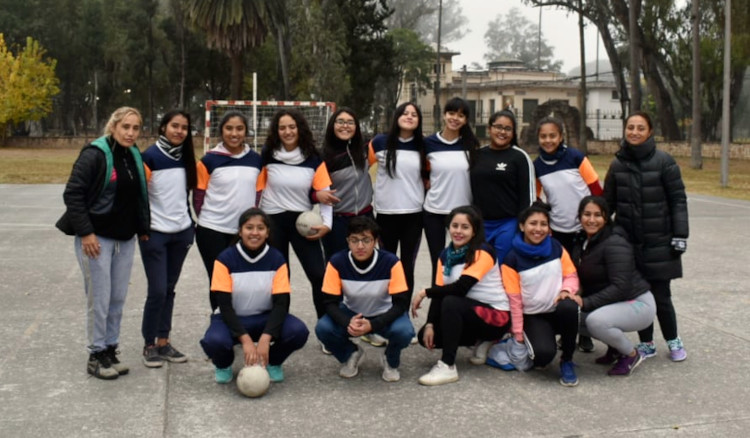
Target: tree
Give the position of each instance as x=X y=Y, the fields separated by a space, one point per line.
x=231 y=26
x=27 y=84
x=514 y=36
x=421 y=17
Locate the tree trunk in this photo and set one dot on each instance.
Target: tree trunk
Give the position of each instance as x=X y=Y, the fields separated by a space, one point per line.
x=662 y=99
x=696 y=156
x=582 y=146
x=634 y=9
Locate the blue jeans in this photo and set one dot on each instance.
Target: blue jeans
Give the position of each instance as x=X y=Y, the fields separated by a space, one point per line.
x=163 y=255
x=336 y=338
x=218 y=342
x=105 y=281
x=499 y=233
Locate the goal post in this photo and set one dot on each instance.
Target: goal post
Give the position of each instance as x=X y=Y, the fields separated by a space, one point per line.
x=259 y=115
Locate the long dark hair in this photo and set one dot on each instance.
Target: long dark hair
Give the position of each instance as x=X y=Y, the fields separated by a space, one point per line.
x=512 y=117
x=477 y=224
x=599 y=202
x=306 y=142
x=468 y=139
x=391 y=143
x=188 y=153
x=356 y=144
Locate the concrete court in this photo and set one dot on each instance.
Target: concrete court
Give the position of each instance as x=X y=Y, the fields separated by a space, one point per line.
x=45 y=391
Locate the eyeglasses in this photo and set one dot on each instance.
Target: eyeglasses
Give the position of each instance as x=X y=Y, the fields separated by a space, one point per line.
x=342 y=122
x=502 y=128
x=355 y=242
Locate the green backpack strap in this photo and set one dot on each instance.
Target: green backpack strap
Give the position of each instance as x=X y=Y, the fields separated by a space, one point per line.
x=141 y=172
x=102 y=144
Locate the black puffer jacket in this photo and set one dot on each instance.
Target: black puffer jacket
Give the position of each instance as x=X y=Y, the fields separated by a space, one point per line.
x=606 y=270
x=644 y=189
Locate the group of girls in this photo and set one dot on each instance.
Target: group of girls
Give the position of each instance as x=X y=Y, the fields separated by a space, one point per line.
x=247 y=204
x=566 y=266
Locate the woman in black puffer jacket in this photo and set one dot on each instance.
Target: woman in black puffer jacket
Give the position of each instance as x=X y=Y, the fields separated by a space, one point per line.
x=614 y=297
x=644 y=189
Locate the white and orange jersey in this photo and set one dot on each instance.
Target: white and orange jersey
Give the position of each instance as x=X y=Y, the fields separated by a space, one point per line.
x=404 y=192
x=449 y=175
x=489 y=287
x=230 y=185
x=167 y=191
x=367 y=291
x=251 y=281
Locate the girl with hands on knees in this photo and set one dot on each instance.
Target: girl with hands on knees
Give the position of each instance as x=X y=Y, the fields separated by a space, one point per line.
x=539 y=276
x=251 y=286
x=468 y=303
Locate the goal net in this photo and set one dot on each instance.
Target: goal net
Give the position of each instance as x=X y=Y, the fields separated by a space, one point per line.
x=259 y=115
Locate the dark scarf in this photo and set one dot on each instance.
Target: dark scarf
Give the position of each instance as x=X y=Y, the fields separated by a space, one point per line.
x=544 y=249
x=640 y=152
x=174 y=151
x=454 y=257
x=559 y=152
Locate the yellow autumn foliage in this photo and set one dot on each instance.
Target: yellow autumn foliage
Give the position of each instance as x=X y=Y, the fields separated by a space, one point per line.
x=27 y=83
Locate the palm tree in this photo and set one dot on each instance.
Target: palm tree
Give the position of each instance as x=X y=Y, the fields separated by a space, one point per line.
x=231 y=26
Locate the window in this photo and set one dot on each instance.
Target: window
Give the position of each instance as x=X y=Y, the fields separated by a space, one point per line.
x=615 y=95
x=492 y=106
x=529 y=106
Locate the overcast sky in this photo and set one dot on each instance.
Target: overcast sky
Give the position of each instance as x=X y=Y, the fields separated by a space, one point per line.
x=559 y=29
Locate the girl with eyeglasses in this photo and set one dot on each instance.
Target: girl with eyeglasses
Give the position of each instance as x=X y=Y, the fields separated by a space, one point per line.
x=450 y=154
x=502 y=182
x=345 y=155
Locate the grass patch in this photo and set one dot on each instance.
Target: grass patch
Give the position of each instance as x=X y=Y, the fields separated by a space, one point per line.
x=52 y=166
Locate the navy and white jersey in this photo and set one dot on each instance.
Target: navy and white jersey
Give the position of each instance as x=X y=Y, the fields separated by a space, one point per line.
x=404 y=192
x=167 y=191
x=251 y=281
x=367 y=291
x=230 y=185
x=485 y=269
x=449 y=175
x=286 y=186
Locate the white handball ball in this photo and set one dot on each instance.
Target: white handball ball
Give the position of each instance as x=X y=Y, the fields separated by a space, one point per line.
x=306 y=220
x=253 y=381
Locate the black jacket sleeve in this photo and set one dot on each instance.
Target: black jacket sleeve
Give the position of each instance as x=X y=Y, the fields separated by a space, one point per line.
x=278 y=314
x=331 y=304
x=83 y=185
x=459 y=287
x=400 y=305
x=228 y=315
x=674 y=189
x=619 y=262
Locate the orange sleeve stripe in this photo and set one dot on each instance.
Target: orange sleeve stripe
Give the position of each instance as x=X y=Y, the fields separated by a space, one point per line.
x=260 y=183
x=371 y=158
x=221 y=280
x=439 y=273
x=482 y=264
x=281 y=281
x=539 y=189
x=321 y=179
x=331 y=281
x=567 y=264
x=511 y=280
x=148 y=172
x=398 y=279
x=588 y=173
x=203 y=176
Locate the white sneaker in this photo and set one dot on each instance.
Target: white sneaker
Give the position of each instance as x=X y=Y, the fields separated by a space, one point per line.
x=440 y=374
x=351 y=367
x=389 y=374
x=480 y=352
x=324 y=349
x=374 y=339
x=414 y=340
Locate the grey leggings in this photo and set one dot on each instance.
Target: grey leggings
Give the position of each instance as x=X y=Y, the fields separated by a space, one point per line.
x=610 y=323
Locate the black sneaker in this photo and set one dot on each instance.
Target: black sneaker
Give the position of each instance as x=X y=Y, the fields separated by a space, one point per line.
x=585 y=344
x=151 y=357
x=121 y=368
x=100 y=366
x=169 y=353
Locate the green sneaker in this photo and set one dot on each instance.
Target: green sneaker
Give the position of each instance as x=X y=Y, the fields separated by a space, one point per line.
x=223 y=375
x=276 y=373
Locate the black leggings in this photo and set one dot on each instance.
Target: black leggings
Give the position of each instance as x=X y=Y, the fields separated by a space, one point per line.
x=460 y=325
x=434 y=231
x=309 y=252
x=664 y=312
x=540 y=329
x=210 y=244
x=404 y=229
